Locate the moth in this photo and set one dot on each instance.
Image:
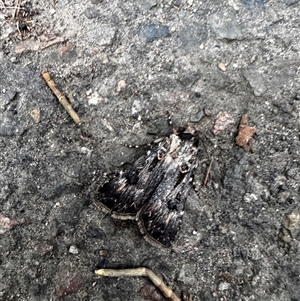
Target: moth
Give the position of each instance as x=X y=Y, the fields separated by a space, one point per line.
x=154 y=189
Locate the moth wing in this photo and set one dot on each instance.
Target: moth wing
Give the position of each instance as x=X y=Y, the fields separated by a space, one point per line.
x=125 y=195
x=161 y=216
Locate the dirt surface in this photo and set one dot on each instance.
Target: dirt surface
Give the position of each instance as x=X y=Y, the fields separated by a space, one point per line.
x=128 y=67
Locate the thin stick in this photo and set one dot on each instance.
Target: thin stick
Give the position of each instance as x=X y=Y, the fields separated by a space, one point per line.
x=62 y=99
x=157 y=281
x=52 y=42
x=208 y=172
x=19 y=31
x=17 y=7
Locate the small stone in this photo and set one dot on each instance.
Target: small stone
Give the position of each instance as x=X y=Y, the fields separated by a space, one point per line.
x=94 y=98
x=102 y=56
x=291 y=222
x=6 y=223
x=57 y=205
x=222 y=66
x=147 y=4
x=225 y=25
x=223 y=286
x=36 y=115
x=197 y=116
x=256 y=82
x=6 y=96
x=121 y=86
x=73 y=250
x=152 y=32
x=86 y=151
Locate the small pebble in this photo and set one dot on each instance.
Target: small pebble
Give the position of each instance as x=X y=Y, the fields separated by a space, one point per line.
x=151 y=32
x=36 y=115
x=197 y=116
x=73 y=250
x=222 y=66
x=223 y=286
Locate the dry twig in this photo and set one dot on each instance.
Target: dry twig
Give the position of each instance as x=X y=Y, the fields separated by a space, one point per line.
x=62 y=99
x=52 y=42
x=157 y=281
x=33 y=45
x=208 y=172
x=17 y=8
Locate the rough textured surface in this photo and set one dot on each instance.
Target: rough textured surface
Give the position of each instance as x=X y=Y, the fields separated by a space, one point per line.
x=128 y=66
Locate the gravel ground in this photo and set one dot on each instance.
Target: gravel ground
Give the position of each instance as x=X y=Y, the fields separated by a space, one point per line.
x=129 y=67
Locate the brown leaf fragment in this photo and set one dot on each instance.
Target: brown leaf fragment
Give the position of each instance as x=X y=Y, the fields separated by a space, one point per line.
x=245 y=132
x=223 y=120
x=6 y=223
